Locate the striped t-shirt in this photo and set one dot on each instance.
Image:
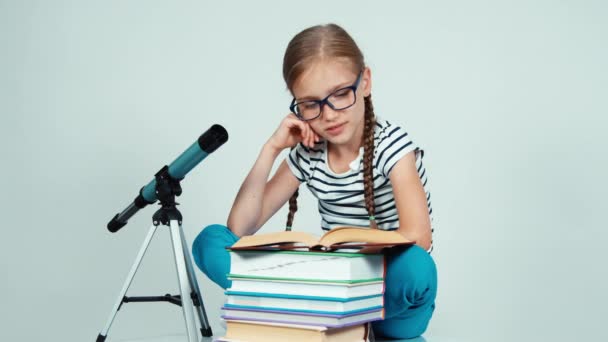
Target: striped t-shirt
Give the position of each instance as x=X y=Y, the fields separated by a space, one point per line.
x=341 y=198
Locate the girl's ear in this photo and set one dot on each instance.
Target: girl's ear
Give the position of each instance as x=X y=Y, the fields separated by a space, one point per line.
x=366 y=81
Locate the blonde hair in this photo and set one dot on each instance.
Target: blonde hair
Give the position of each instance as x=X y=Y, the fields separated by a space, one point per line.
x=324 y=42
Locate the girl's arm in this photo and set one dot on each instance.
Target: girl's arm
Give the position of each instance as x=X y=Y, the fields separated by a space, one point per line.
x=410 y=199
x=258 y=199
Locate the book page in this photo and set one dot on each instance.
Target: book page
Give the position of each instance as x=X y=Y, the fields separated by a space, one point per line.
x=302 y=238
x=354 y=236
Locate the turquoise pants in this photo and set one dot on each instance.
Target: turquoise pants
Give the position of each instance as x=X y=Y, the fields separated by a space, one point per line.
x=410 y=291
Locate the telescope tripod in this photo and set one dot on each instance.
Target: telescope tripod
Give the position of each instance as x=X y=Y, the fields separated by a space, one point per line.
x=190 y=297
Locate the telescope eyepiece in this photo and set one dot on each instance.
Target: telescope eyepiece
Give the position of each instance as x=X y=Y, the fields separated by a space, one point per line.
x=114 y=225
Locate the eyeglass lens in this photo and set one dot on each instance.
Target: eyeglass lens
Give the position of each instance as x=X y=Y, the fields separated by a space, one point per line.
x=340 y=99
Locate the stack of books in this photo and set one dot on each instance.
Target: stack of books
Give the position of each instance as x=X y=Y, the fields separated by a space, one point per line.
x=290 y=285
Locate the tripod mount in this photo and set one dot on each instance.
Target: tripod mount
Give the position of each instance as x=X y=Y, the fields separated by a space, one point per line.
x=190 y=300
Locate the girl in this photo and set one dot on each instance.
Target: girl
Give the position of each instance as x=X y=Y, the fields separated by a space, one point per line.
x=364 y=171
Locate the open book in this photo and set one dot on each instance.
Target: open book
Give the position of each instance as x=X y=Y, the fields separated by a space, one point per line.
x=364 y=240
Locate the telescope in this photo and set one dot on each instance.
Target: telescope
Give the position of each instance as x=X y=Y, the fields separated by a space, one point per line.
x=170 y=175
x=164 y=188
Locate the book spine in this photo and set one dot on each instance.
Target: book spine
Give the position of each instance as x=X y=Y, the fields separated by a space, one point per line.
x=228 y=318
x=308 y=280
x=229 y=308
x=288 y=311
x=298 y=297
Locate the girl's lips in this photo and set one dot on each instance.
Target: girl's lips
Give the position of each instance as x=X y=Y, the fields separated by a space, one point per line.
x=335 y=130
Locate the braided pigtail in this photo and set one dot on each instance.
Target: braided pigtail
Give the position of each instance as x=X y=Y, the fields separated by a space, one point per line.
x=293 y=207
x=320 y=43
x=368 y=158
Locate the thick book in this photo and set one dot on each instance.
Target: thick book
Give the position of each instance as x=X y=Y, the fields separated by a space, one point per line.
x=277 y=332
x=307 y=266
x=303 y=303
x=311 y=288
x=302 y=318
x=363 y=240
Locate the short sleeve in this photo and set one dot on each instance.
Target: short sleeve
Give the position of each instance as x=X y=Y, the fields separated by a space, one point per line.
x=393 y=143
x=298 y=161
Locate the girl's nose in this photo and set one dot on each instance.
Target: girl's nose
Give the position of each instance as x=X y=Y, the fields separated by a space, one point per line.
x=329 y=113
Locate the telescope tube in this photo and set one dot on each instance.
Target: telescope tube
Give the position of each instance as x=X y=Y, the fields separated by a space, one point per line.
x=208 y=142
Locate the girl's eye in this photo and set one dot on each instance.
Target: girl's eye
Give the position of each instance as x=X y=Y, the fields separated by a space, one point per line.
x=341 y=93
x=310 y=105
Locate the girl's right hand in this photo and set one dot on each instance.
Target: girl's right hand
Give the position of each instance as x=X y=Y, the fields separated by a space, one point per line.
x=292 y=131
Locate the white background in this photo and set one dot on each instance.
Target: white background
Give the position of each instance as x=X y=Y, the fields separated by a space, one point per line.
x=508 y=99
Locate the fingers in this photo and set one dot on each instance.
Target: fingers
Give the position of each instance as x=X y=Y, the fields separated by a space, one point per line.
x=307 y=135
x=304 y=129
x=310 y=136
x=315 y=138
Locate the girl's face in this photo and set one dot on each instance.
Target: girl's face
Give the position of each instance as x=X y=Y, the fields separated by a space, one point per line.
x=340 y=127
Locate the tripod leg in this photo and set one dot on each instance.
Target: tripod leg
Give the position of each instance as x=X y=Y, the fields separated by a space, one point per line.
x=104 y=333
x=202 y=315
x=184 y=283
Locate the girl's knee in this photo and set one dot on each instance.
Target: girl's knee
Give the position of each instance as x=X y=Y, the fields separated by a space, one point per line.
x=411 y=280
x=214 y=235
x=213 y=230
x=210 y=254
x=413 y=264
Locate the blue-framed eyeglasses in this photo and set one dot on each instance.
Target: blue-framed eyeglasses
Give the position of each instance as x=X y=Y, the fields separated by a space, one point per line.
x=337 y=100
